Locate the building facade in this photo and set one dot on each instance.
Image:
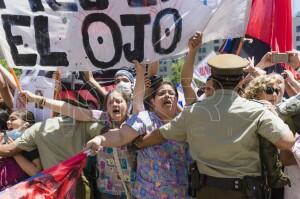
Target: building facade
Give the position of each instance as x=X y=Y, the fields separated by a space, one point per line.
x=206 y=49
x=296 y=31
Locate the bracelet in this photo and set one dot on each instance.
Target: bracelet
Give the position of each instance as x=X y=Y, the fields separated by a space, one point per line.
x=42 y=102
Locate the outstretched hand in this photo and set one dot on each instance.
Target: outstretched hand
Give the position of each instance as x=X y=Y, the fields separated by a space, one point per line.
x=94 y=144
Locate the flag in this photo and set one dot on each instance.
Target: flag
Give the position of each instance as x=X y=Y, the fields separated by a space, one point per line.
x=57 y=182
x=270 y=29
x=274 y=31
x=271 y=22
x=202 y=71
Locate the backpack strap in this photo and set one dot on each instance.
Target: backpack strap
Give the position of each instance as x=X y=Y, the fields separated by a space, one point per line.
x=120 y=172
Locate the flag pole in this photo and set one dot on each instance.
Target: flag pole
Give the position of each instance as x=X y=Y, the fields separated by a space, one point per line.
x=57 y=88
x=238 y=51
x=12 y=72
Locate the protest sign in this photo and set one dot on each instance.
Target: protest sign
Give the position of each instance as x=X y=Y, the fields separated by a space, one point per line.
x=202 y=71
x=85 y=35
x=38 y=84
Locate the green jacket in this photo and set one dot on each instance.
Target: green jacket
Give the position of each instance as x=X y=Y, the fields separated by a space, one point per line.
x=289 y=112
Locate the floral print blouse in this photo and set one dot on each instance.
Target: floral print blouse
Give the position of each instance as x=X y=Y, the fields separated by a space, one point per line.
x=162 y=170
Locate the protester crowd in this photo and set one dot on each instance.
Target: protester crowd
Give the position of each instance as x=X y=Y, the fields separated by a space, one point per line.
x=134 y=160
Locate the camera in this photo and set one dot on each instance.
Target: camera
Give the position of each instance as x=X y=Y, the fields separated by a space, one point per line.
x=279 y=58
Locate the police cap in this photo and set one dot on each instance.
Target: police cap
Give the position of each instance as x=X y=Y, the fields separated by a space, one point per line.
x=227 y=65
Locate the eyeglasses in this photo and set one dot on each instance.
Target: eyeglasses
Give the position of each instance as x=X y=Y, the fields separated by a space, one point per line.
x=271 y=90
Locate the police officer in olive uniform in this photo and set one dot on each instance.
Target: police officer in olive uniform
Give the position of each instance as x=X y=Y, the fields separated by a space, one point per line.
x=222 y=132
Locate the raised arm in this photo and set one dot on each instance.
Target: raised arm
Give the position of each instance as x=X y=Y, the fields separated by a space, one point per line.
x=292 y=85
x=294 y=59
x=265 y=61
x=9 y=78
x=90 y=78
x=139 y=88
x=5 y=91
x=153 y=69
x=188 y=68
x=78 y=113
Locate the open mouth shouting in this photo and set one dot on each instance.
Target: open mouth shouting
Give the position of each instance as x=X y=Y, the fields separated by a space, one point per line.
x=167 y=102
x=116 y=111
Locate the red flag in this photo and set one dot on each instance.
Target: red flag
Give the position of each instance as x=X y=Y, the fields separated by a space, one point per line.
x=271 y=22
x=57 y=182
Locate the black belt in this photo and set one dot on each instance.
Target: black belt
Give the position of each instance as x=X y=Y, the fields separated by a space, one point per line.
x=235 y=184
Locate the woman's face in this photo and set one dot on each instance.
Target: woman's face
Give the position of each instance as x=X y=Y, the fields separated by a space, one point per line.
x=14 y=122
x=272 y=93
x=116 y=107
x=165 y=101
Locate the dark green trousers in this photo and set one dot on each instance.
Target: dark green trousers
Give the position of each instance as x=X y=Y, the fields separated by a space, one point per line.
x=83 y=189
x=217 y=193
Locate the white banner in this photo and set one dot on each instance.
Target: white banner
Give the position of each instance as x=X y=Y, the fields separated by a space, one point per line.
x=105 y=34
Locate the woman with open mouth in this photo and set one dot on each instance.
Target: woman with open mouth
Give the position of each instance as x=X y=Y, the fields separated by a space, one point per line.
x=116 y=166
x=162 y=169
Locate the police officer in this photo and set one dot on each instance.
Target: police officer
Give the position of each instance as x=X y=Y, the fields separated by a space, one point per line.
x=222 y=133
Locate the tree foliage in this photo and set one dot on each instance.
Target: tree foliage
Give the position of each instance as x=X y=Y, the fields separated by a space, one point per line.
x=174 y=77
x=4 y=63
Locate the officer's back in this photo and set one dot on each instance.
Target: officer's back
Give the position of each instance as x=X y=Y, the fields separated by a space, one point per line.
x=222 y=133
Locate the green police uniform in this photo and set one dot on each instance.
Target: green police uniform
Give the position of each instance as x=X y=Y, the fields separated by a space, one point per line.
x=222 y=133
x=289 y=111
x=58 y=139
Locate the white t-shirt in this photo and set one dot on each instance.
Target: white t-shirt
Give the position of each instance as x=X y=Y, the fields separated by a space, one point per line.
x=293 y=172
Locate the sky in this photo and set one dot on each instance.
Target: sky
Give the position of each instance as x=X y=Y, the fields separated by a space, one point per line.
x=296 y=6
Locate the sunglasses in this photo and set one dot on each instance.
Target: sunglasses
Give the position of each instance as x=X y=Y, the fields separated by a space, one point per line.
x=271 y=90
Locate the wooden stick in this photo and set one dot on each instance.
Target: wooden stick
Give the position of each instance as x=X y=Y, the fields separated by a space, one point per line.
x=238 y=51
x=12 y=72
x=57 y=88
